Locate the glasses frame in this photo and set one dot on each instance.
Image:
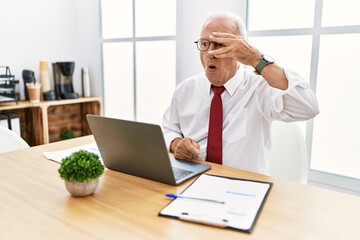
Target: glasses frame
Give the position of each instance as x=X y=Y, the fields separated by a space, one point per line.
x=217 y=45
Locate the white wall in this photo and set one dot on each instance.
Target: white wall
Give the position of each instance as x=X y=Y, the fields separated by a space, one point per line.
x=58 y=30
x=69 y=30
x=191 y=16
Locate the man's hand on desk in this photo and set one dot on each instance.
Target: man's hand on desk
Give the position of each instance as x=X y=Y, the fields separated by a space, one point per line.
x=185 y=148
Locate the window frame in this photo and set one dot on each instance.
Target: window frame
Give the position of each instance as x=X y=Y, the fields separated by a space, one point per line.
x=316 y=177
x=134 y=39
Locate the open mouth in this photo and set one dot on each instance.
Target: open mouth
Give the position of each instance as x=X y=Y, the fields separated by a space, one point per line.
x=212 y=67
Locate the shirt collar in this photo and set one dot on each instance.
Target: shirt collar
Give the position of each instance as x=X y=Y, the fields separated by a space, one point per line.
x=232 y=84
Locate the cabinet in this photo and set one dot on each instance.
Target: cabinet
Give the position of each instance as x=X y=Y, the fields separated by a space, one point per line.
x=42 y=123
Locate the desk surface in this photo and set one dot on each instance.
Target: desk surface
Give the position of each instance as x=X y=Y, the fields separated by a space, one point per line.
x=36 y=205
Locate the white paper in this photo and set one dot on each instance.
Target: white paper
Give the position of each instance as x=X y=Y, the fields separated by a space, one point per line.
x=59 y=155
x=242 y=199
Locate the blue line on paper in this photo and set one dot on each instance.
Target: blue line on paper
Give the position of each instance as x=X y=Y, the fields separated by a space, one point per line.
x=242 y=194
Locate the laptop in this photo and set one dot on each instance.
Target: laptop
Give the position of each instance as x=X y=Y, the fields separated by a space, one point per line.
x=139 y=149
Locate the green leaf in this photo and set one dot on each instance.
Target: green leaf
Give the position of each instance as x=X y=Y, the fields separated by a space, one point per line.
x=81 y=166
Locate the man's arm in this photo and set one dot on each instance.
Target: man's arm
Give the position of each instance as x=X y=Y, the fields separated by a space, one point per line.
x=296 y=103
x=238 y=48
x=182 y=148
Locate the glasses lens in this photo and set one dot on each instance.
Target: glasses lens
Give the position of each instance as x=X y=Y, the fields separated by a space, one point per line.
x=203 y=44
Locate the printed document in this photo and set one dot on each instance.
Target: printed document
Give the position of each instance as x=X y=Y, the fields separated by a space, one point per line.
x=238 y=202
x=57 y=156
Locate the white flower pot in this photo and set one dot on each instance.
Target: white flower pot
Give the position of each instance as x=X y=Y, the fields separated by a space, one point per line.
x=82 y=189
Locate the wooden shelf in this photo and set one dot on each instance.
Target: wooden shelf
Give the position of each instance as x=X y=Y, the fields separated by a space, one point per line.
x=41 y=123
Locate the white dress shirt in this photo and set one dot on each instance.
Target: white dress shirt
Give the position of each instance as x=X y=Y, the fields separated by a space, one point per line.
x=249 y=107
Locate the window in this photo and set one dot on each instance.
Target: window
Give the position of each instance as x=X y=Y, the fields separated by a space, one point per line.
x=337 y=129
x=340 y=13
x=298 y=14
x=285 y=48
x=155 y=78
x=118 y=79
x=139 y=63
x=319 y=39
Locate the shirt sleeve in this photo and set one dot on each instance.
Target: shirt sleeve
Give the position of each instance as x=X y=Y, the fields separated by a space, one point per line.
x=296 y=103
x=171 y=124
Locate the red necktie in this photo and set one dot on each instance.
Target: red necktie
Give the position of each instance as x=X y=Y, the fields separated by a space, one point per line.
x=214 y=146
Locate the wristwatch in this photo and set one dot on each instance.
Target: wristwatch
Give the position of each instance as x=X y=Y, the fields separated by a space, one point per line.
x=266 y=60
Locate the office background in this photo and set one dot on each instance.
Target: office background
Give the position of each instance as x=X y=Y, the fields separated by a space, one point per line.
x=73 y=30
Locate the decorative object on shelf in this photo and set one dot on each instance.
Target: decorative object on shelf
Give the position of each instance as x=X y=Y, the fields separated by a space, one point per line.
x=67 y=134
x=81 y=172
x=44 y=73
x=63 y=78
x=85 y=82
x=44 y=77
x=8 y=86
x=28 y=77
x=34 y=90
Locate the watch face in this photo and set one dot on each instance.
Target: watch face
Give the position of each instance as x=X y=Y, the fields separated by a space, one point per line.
x=268 y=58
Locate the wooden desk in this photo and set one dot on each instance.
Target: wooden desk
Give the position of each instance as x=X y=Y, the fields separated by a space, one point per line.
x=36 y=205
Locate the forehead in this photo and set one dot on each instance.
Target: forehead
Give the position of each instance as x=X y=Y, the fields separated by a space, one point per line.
x=218 y=25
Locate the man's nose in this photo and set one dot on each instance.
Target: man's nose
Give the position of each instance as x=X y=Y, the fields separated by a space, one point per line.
x=211 y=48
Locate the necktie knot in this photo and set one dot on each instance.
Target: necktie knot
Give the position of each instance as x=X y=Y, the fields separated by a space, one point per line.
x=218 y=90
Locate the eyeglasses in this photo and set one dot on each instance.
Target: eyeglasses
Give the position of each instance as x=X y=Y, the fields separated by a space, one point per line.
x=203 y=44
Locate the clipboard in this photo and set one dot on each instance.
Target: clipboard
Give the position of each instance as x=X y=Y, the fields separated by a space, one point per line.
x=218 y=201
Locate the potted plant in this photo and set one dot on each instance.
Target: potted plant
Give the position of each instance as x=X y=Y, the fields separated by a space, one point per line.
x=66 y=134
x=81 y=171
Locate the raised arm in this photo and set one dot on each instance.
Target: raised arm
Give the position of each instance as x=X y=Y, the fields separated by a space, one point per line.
x=238 y=48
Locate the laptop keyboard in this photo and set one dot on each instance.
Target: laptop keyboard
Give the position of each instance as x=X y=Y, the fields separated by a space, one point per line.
x=180 y=173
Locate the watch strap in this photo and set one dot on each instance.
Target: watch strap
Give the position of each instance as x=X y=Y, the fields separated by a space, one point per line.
x=263 y=62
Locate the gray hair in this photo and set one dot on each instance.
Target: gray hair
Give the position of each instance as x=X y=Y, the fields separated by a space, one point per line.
x=240 y=26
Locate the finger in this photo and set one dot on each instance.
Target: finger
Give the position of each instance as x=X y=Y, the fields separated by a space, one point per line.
x=195 y=144
x=225 y=41
x=197 y=153
x=221 y=52
x=193 y=147
x=183 y=156
x=181 y=150
x=189 y=147
x=223 y=35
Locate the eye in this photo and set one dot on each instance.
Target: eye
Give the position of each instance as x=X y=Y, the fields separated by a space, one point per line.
x=204 y=44
x=218 y=45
